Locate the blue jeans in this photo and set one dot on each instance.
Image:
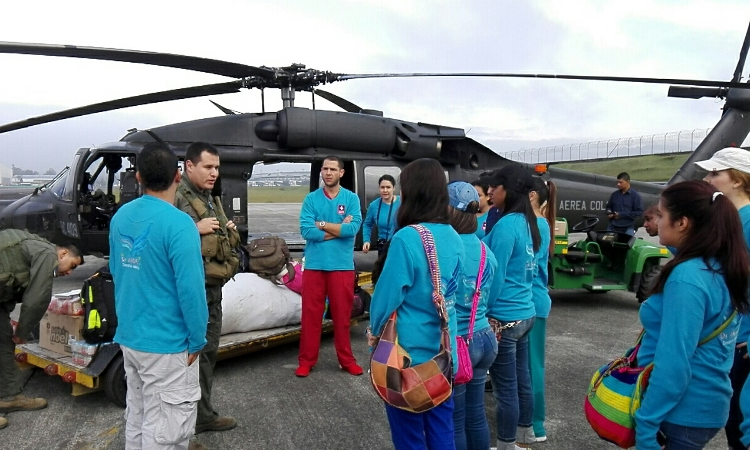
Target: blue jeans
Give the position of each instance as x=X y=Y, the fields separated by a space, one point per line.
x=511 y=381
x=430 y=430
x=627 y=230
x=469 y=419
x=687 y=438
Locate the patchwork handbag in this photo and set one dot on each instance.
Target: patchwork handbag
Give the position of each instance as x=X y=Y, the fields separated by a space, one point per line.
x=421 y=387
x=465 y=370
x=616 y=390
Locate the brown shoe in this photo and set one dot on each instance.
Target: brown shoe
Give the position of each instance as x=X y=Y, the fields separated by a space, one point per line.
x=195 y=445
x=218 y=424
x=3 y=422
x=22 y=403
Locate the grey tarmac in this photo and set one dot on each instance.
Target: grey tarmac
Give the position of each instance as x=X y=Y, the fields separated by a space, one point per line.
x=332 y=409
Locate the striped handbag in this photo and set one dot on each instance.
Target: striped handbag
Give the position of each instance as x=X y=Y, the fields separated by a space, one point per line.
x=616 y=391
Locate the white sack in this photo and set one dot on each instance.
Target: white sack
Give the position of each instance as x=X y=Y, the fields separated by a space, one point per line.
x=253 y=303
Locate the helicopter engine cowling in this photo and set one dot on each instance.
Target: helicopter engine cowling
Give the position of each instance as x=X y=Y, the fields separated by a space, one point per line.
x=302 y=128
x=298 y=128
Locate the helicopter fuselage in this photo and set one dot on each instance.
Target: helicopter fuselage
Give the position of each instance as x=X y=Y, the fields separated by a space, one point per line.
x=78 y=205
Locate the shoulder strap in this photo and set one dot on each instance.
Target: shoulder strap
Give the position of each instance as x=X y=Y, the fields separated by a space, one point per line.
x=478 y=291
x=220 y=212
x=194 y=201
x=721 y=328
x=437 y=293
x=706 y=339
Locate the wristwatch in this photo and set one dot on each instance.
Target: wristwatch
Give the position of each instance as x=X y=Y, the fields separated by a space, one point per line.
x=321 y=224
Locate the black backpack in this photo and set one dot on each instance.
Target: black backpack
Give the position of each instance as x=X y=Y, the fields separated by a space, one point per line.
x=98 y=301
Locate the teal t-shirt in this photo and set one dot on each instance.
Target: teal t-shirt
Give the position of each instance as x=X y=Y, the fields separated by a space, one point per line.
x=468 y=284
x=539 y=289
x=689 y=384
x=332 y=254
x=383 y=216
x=510 y=242
x=481 y=225
x=405 y=286
x=157 y=268
x=744 y=335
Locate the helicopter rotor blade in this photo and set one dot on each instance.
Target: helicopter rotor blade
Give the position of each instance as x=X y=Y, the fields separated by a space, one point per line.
x=675 y=81
x=223 y=109
x=344 y=104
x=206 y=65
x=695 y=92
x=156 y=97
x=743 y=55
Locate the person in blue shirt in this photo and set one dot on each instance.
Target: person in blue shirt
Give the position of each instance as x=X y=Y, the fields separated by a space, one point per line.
x=514 y=240
x=485 y=203
x=405 y=287
x=157 y=269
x=381 y=213
x=688 y=392
x=329 y=220
x=493 y=213
x=729 y=172
x=543 y=197
x=624 y=206
x=469 y=418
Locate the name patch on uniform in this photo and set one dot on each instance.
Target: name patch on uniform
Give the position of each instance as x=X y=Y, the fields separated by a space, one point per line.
x=342 y=210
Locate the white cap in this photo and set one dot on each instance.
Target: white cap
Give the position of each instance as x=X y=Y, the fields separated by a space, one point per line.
x=728 y=158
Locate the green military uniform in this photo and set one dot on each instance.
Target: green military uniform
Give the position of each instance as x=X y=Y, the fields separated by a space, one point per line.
x=220 y=264
x=27 y=266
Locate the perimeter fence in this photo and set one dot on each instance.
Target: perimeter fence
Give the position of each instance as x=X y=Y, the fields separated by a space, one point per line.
x=673 y=142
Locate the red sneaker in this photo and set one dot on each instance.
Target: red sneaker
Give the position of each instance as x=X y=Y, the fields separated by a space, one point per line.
x=303 y=371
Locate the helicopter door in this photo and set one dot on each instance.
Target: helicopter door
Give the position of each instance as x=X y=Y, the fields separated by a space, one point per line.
x=107 y=183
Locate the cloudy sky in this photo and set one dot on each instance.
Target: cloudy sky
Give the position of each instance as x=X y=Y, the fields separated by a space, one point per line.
x=659 y=38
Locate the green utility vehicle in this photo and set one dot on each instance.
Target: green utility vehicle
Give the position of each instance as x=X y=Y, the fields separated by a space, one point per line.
x=604 y=261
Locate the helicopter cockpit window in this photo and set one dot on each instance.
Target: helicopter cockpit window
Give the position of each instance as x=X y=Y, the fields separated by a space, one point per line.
x=69 y=188
x=107 y=183
x=57 y=184
x=373 y=174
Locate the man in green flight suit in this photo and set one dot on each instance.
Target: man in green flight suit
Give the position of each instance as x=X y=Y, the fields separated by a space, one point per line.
x=28 y=264
x=219 y=237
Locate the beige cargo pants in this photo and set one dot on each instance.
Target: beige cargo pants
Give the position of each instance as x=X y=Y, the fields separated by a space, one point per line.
x=163 y=392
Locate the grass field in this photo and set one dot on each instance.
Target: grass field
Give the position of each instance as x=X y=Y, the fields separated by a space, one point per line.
x=640 y=168
x=280 y=194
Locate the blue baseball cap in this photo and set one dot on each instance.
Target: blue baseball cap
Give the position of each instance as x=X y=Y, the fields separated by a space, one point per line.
x=461 y=194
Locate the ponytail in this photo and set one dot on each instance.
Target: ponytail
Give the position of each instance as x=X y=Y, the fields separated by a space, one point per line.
x=713 y=233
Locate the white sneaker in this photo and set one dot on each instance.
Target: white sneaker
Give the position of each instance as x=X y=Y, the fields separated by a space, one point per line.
x=541 y=438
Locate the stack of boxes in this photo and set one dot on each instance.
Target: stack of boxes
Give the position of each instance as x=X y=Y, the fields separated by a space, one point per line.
x=62 y=324
x=83 y=352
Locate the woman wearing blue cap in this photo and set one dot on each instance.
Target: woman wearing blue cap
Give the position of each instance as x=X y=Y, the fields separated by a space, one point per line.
x=469 y=418
x=514 y=240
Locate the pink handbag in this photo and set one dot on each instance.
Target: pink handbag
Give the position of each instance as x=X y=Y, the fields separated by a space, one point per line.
x=465 y=370
x=296 y=283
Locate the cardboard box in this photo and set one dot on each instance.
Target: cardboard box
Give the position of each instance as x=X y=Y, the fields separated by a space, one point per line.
x=561 y=228
x=56 y=332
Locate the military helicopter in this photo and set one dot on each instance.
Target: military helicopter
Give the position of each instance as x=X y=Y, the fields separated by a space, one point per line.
x=69 y=208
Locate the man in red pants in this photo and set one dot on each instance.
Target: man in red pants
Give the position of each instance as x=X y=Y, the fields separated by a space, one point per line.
x=329 y=221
